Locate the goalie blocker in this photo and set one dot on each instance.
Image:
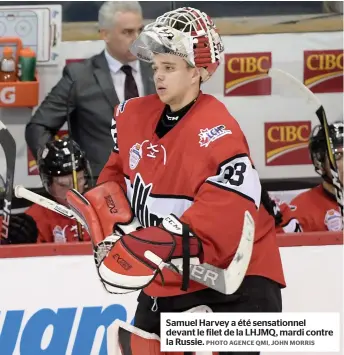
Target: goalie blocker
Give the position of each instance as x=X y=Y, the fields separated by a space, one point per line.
x=121 y=244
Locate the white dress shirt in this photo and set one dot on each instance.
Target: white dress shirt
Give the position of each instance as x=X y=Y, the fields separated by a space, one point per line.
x=118 y=76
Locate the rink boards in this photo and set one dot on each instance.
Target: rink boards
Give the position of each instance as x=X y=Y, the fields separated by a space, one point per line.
x=52 y=301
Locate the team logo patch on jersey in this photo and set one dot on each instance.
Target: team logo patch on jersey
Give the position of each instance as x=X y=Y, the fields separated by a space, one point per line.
x=333 y=221
x=146 y=149
x=121 y=107
x=210 y=135
x=135 y=155
x=155 y=151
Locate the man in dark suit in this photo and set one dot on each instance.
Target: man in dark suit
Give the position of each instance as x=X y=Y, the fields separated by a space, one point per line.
x=95 y=86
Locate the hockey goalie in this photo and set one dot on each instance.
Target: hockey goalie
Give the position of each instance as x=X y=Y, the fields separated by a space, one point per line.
x=169 y=214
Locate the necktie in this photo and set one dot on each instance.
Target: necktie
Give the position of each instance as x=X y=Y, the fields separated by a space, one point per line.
x=130 y=88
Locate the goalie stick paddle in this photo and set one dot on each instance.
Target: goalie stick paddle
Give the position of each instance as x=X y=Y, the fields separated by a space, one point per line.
x=301 y=90
x=9 y=147
x=21 y=192
x=226 y=281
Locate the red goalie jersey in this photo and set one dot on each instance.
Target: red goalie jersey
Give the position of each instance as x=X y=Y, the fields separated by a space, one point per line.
x=201 y=171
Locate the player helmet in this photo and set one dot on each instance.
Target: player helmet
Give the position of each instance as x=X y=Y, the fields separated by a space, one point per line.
x=185 y=32
x=54 y=159
x=317 y=146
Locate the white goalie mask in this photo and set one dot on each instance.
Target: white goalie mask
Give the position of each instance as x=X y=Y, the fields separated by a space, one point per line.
x=185 y=32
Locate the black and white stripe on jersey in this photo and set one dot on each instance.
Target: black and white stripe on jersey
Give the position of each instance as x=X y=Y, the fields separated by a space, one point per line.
x=238 y=175
x=151 y=209
x=114 y=135
x=235 y=174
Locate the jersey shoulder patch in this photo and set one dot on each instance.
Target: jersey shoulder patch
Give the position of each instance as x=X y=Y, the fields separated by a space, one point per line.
x=121 y=107
x=136 y=103
x=216 y=122
x=209 y=135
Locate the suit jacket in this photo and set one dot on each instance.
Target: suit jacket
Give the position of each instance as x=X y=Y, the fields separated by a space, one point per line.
x=88 y=87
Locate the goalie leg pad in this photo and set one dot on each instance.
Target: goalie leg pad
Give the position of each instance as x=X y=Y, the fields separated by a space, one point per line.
x=125 y=339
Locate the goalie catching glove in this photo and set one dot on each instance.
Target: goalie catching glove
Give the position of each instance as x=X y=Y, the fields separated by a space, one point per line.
x=121 y=257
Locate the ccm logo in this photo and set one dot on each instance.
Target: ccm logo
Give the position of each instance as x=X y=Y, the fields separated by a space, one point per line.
x=170 y=221
x=125 y=265
x=111 y=204
x=8 y=95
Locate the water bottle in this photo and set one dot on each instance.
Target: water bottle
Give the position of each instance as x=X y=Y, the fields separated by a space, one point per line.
x=26 y=64
x=8 y=66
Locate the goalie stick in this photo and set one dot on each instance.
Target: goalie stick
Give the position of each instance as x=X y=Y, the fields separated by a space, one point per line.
x=74 y=175
x=21 y=192
x=301 y=90
x=9 y=147
x=226 y=281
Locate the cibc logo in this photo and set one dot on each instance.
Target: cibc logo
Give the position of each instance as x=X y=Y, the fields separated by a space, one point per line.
x=323 y=70
x=245 y=74
x=286 y=143
x=8 y=95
